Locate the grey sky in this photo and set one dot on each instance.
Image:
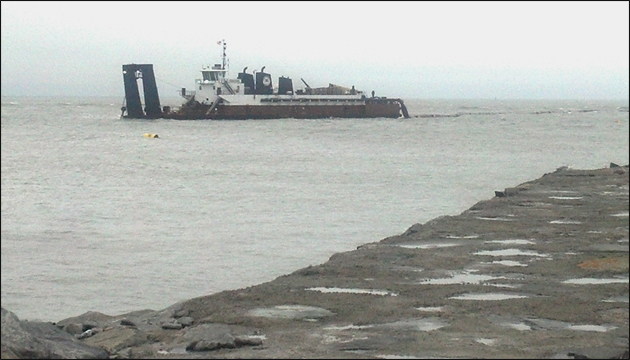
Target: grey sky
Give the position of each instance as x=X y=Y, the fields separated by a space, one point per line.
x=505 y=50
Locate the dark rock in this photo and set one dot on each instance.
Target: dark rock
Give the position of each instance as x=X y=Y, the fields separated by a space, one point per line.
x=247 y=341
x=513 y=191
x=309 y=271
x=598 y=353
x=90 y=317
x=185 y=321
x=73 y=328
x=40 y=340
x=210 y=345
x=117 y=339
x=208 y=337
x=181 y=313
x=126 y=322
x=89 y=324
x=172 y=326
x=412 y=229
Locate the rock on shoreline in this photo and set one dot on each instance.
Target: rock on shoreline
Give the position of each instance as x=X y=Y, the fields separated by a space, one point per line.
x=538 y=271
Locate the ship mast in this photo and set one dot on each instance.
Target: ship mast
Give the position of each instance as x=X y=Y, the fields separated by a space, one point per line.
x=223 y=56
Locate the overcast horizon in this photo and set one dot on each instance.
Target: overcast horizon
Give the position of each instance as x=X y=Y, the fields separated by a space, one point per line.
x=412 y=50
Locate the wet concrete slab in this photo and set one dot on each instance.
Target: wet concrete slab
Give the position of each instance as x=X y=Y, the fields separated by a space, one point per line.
x=539 y=270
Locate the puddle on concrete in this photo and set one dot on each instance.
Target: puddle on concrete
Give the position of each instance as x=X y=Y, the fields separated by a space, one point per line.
x=594 y=281
x=598 y=328
x=536 y=204
x=421 y=324
x=488 y=342
x=291 y=312
x=611 y=247
x=431 y=308
x=566 y=197
x=463 y=278
x=426 y=245
x=407 y=268
x=348 y=327
x=462 y=237
x=331 y=339
x=508 y=286
x=621 y=214
x=614 y=193
x=547 y=324
x=494 y=218
x=353 y=291
x=621 y=299
x=565 y=222
x=510 y=252
x=519 y=326
x=507 y=263
x=510 y=242
x=488 y=296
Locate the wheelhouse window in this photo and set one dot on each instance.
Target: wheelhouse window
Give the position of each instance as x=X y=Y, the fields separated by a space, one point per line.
x=210 y=75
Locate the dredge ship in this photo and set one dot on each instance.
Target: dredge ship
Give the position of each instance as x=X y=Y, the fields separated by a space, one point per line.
x=251 y=96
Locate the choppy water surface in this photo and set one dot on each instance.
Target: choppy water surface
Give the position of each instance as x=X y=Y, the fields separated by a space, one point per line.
x=96 y=217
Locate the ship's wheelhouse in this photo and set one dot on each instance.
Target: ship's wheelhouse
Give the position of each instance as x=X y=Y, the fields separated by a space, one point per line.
x=213 y=74
x=210 y=75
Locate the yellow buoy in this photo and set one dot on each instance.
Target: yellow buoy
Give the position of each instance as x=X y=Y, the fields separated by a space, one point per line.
x=151 y=135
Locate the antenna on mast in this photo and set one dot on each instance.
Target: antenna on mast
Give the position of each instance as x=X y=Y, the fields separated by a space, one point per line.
x=224 y=58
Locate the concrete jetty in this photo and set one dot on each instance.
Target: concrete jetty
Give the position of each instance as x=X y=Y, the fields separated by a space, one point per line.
x=539 y=270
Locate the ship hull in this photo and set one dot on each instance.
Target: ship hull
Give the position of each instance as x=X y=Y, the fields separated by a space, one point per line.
x=381 y=108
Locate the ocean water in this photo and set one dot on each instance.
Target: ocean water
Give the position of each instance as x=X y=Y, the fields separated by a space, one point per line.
x=96 y=217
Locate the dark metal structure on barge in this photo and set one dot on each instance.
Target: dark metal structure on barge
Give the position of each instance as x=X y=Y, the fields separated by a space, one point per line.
x=251 y=96
x=131 y=74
